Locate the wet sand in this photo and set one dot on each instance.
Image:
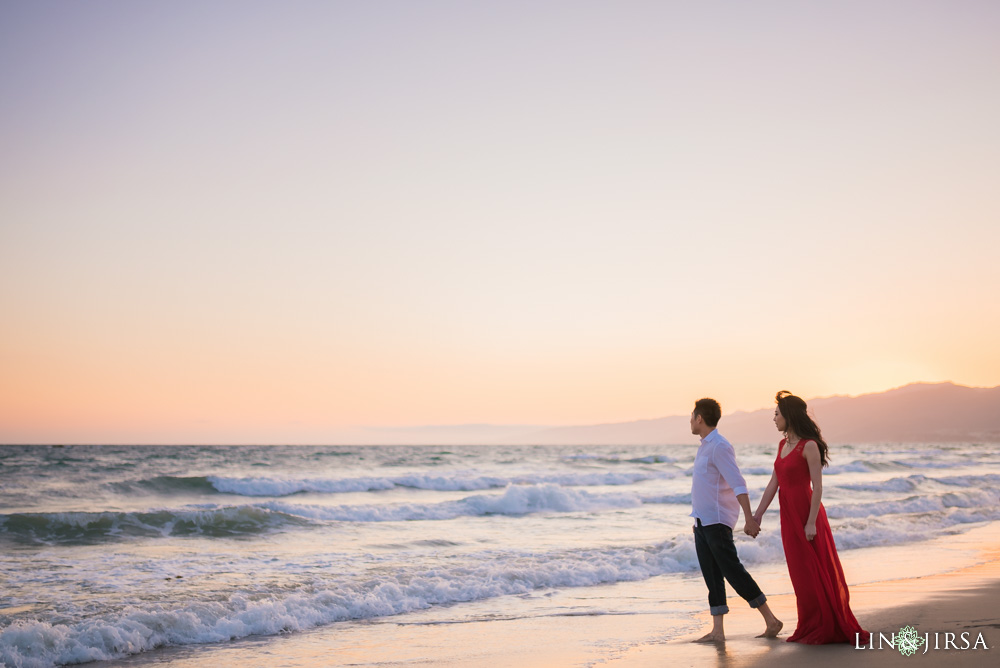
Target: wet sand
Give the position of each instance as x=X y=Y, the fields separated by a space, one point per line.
x=964 y=601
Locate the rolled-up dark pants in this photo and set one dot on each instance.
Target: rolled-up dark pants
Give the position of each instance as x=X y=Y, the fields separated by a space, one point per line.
x=718 y=559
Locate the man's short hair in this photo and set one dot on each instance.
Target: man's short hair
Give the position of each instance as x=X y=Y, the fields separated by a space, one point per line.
x=709 y=410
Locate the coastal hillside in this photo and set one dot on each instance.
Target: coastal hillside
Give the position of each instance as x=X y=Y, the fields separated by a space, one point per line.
x=917 y=413
x=922 y=412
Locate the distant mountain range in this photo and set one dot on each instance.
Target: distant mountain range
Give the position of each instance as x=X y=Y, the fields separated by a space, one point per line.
x=917 y=413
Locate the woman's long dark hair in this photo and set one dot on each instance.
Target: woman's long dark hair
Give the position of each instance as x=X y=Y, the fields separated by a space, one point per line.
x=798 y=421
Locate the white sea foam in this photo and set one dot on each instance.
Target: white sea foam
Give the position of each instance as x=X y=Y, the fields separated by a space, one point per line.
x=910 y=483
x=907 y=528
x=852 y=467
x=618 y=459
x=276 y=487
x=34 y=644
x=93 y=527
x=284 y=487
x=907 y=484
x=516 y=500
x=757 y=470
x=917 y=481
x=925 y=463
x=222 y=521
x=990 y=479
x=974 y=498
x=218 y=570
x=870 y=465
x=449 y=483
x=676 y=499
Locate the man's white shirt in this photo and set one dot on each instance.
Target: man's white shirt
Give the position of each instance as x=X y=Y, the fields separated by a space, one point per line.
x=715 y=482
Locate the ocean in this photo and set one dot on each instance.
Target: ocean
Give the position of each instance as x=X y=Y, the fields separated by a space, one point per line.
x=112 y=551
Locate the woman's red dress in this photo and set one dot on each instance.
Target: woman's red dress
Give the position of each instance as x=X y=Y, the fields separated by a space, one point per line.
x=821 y=594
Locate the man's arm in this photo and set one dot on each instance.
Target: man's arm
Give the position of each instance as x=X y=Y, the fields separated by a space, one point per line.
x=752 y=527
x=725 y=460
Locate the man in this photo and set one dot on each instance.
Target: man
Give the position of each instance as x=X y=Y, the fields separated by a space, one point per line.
x=718 y=491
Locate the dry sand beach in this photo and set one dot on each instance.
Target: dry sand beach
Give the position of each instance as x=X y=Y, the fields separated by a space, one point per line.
x=949 y=585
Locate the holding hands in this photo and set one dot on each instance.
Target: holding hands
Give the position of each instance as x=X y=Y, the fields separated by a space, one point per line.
x=752 y=527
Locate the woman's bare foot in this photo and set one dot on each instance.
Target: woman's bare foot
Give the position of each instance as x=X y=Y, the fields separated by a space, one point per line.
x=772 y=630
x=712 y=637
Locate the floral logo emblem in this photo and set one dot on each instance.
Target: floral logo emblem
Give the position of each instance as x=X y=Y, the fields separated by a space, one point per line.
x=907 y=641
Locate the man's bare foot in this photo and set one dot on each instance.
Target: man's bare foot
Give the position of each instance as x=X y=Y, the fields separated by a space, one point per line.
x=713 y=637
x=772 y=630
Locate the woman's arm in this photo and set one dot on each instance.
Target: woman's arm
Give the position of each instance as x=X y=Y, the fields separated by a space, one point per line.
x=767 y=497
x=811 y=452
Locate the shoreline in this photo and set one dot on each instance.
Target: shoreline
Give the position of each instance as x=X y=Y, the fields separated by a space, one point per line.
x=644 y=624
x=956 y=602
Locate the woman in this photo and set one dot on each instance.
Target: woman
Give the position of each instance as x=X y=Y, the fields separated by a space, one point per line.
x=821 y=595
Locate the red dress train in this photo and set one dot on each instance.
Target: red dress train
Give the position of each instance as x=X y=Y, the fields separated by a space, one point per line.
x=821 y=594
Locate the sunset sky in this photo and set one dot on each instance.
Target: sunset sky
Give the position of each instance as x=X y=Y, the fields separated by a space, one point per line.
x=263 y=222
